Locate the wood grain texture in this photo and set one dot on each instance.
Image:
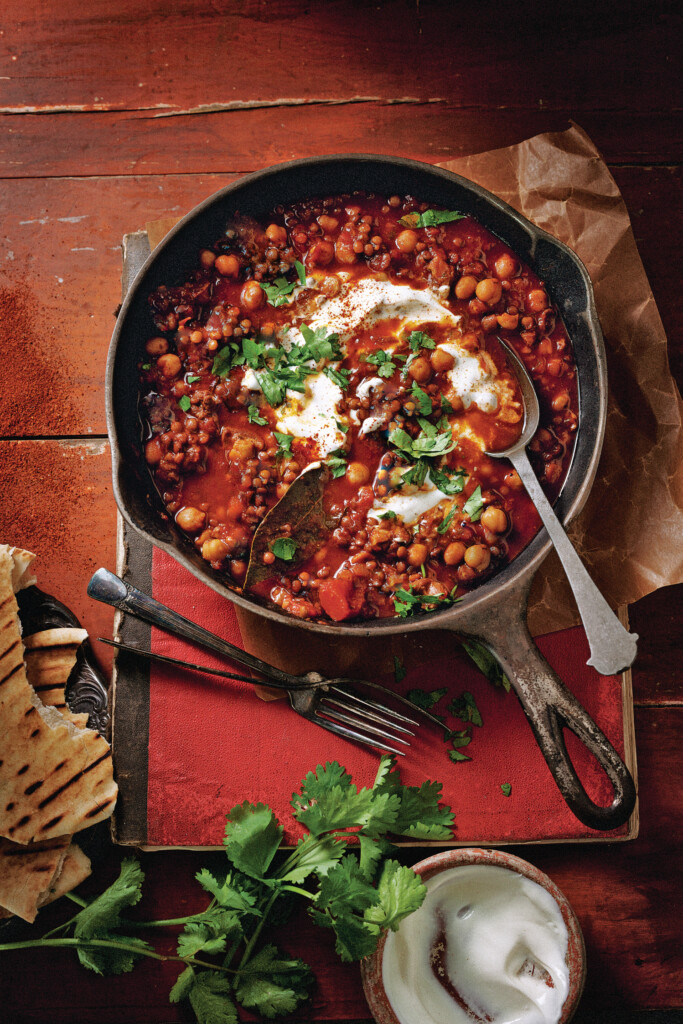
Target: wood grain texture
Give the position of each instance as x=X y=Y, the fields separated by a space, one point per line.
x=240 y=140
x=121 y=55
x=56 y=500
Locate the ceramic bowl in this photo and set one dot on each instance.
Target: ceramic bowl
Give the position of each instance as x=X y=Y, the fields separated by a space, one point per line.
x=371 y=968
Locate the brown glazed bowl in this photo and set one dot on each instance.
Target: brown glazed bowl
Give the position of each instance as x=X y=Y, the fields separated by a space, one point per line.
x=495 y=613
x=371 y=967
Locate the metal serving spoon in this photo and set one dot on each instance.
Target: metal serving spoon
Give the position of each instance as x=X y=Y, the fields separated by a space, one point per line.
x=612 y=647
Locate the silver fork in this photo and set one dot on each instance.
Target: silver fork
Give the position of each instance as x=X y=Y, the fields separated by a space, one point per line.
x=333 y=704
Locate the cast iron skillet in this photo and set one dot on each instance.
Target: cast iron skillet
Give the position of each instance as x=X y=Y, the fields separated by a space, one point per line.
x=494 y=614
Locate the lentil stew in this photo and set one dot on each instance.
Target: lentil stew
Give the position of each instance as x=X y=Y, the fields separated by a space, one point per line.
x=359 y=332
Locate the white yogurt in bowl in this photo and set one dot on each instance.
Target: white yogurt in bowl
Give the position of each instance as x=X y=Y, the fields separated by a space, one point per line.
x=494 y=942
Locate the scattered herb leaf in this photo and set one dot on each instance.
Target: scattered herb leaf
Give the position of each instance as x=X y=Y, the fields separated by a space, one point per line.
x=465 y=707
x=424 y=402
x=430 y=218
x=337 y=462
x=399 y=670
x=284 y=445
x=506 y=788
x=386 y=367
x=446 y=522
x=418 y=340
x=426 y=699
x=254 y=417
x=301 y=271
x=193 y=378
x=185 y=403
x=284 y=548
x=277 y=293
x=486 y=663
x=474 y=505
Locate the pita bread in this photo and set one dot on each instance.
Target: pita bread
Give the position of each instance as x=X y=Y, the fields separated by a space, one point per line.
x=76 y=867
x=55 y=778
x=50 y=657
x=26 y=873
x=22 y=576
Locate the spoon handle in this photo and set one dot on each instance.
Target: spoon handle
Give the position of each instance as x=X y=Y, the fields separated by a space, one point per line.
x=612 y=647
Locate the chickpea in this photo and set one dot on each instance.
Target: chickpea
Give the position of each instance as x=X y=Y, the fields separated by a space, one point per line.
x=207 y=258
x=478 y=557
x=537 y=300
x=190 y=519
x=465 y=287
x=357 y=474
x=330 y=285
x=153 y=452
x=241 y=450
x=406 y=240
x=214 y=550
x=228 y=265
x=344 y=249
x=420 y=369
x=505 y=266
x=328 y=223
x=197 y=337
x=417 y=554
x=320 y=254
x=508 y=321
x=169 y=365
x=156 y=346
x=276 y=234
x=494 y=519
x=252 y=295
x=560 y=401
x=454 y=553
x=441 y=360
x=489 y=291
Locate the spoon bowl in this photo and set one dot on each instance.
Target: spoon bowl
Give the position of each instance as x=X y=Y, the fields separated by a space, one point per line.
x=612 y=647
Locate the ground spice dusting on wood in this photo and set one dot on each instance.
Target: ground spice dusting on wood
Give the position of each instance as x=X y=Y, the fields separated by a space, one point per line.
x=35 y=386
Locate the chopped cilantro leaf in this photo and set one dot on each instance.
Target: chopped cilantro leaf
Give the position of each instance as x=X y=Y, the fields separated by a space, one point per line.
x=426 y=699
x=457 y=755
x=193 y=378
x=254 y=417
x=253 y=352
x=319 y=344
x=424 y=402
x=418 y=340
x=474 y=505
x=446 y=405
x=284 y=442
x=446 y=522
x=277 y=293
x=417 y=474
x=337 y=463
x=448 y=483
x=388 y=515
x=406 y=602
x=185 y=403
x=383 y=361
x=486 y=663
x=344 y=427
x=148 y=366
x=506 y=788
x=399 y=670
x=273 y=388
x=465 y=707
x=284 y=548
x=301 y=271
x=430 y=218
x=341 y=377
x=223 y=362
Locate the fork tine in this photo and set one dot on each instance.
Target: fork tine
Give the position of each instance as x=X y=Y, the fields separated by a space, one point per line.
x=352 y=734
x=383 y=709
x=351 y=717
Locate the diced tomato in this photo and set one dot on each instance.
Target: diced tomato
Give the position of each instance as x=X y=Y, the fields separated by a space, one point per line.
x=335 y=597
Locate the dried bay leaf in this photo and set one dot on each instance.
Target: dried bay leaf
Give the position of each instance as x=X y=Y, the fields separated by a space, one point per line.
x=302 y=508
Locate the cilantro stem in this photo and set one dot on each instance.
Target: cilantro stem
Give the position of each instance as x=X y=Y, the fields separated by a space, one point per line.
x=76 y=899
x=111 y=944
x=165 y=924
x=257 y=931
x=296 y=889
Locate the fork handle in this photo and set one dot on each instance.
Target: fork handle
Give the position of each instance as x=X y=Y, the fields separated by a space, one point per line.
x=108 y=588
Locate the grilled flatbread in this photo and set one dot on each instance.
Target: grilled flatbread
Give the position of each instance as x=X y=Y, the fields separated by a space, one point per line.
x=22 y=574
x=50 y=657
x=26 y=873
x=75 y=869
x=55 y=778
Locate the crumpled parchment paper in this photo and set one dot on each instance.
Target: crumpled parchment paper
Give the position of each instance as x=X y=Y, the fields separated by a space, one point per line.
x=629 y=532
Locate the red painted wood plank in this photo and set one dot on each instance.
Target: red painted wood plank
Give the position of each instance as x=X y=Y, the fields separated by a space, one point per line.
x=125 y=56
x=627 y=898
x=35 y=145
x=60 y=284
x=56 y=500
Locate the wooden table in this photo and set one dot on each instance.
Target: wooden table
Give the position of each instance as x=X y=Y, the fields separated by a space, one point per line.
x=114 y=113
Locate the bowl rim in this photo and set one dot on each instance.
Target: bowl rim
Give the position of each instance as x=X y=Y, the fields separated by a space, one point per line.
x=514 y=576
x=371 y=967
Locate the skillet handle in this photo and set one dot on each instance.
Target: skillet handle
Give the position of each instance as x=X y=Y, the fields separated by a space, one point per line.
x=549 y=707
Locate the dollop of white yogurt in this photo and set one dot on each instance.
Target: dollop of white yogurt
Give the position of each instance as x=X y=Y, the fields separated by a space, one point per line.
x=496 y=940
x=313 y=414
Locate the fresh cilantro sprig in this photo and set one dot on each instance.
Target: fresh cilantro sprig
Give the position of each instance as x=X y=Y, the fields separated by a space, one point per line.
x=418 y=340
x=430 y=443
x=284 y=445
x=337 y=461
x=474 y=505
x=407 y=602
x=254 y=416
x=342 y=868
